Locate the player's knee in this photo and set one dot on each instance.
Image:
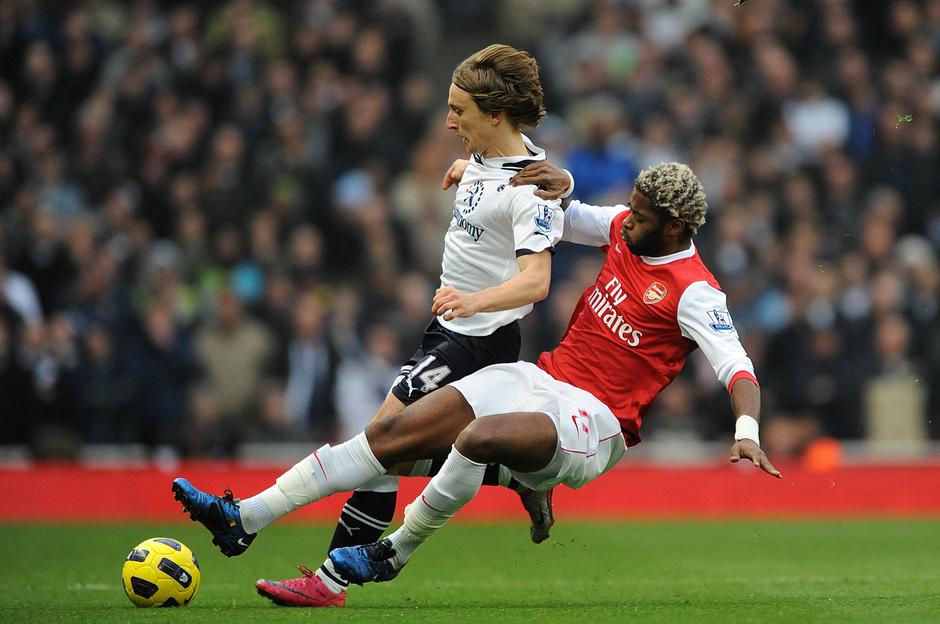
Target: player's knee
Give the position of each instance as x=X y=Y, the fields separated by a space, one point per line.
x=381 y=434
x=479 y=442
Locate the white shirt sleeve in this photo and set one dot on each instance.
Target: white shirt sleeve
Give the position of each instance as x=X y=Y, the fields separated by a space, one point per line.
x=703 y=317
x=537 y=224
x=589 y=225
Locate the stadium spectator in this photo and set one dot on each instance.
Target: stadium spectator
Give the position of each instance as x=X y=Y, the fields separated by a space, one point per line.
x=159 y=359
x=894 y=398
x=602 y=162
x=362 y=379
x=235 y=354
x=309 y=368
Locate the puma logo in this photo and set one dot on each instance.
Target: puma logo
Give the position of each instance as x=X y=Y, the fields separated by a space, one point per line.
x=348 y=528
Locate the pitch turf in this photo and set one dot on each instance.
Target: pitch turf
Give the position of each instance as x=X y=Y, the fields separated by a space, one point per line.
x=650 y=572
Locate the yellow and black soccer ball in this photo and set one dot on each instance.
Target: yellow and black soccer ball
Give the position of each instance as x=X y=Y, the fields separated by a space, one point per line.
x=161 y=572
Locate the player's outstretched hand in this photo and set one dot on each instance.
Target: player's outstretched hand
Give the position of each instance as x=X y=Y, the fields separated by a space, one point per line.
x=453 y=304
x=748 y=449
x=551 y=180
x=454 y=173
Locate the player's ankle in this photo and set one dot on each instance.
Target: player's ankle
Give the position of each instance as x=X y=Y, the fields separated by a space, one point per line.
x=331 y=579
x=405 y=542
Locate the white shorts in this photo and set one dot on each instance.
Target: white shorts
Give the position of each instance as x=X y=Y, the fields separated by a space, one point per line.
x=590 y=441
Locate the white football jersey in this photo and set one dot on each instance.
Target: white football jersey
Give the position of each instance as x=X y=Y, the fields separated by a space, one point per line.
x=495 y=223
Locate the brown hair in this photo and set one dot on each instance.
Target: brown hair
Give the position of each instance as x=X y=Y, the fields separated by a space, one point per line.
x=502 y=78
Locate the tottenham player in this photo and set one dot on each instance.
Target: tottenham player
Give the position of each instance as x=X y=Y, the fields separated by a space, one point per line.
x=569 y=418
x=496 y=264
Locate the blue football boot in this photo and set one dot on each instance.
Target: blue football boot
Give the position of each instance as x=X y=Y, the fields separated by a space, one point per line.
x=367 y=563
x=219 y=514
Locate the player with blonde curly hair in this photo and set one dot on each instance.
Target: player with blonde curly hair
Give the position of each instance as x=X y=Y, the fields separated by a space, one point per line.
x=673 y=189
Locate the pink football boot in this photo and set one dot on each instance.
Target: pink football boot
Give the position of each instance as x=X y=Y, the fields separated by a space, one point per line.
x=306 y=591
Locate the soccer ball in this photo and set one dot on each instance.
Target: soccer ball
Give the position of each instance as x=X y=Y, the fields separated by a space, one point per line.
x=161 y=572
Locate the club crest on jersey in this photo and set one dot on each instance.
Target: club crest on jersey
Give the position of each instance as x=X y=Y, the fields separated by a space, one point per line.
x=543 y=220
x=474 y=195
x=655 y=293
x=720 y=321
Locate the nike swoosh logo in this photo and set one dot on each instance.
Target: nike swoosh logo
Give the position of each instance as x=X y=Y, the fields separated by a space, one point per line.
x=241 y=542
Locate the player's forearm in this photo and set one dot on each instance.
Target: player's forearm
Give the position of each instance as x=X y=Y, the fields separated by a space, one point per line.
x=745 y=399
x=527 y=287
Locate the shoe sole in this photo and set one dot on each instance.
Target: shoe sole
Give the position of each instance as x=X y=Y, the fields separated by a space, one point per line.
x=181 y=496
x=283 y=603
x=275 y=599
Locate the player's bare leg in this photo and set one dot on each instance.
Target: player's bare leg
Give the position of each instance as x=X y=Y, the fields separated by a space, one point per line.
x=525 y=442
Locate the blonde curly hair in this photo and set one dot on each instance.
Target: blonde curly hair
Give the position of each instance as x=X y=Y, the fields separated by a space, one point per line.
x=674 y=189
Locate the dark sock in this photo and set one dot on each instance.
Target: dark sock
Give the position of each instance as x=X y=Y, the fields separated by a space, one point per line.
x=491 y=475
x=365 y=517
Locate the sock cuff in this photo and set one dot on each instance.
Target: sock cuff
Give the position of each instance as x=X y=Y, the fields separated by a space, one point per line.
x=460 y=463
x=360 y=448
x=385 y=484
x=255 y=513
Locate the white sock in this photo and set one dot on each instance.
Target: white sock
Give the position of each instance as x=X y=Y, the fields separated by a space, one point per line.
x=382 y=483
x=331 y=584
x=457 y=482
x=326 y=471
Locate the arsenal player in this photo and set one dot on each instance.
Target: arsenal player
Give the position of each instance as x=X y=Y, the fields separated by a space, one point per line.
x=569 y=418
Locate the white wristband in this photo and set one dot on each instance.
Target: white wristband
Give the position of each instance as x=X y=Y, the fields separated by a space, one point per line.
x=747 y=427
x=570 y=190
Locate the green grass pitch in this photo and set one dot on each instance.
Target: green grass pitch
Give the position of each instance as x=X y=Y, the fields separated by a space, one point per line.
x=853 y=571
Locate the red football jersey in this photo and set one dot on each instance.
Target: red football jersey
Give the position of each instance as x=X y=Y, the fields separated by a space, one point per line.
x=633 y=328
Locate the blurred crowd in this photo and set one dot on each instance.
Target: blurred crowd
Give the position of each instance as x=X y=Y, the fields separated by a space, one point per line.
x=221 y=221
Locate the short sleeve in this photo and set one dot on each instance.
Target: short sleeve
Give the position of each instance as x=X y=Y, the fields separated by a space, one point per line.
x=590 y=225
x=537 y=224
x=703 y=317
